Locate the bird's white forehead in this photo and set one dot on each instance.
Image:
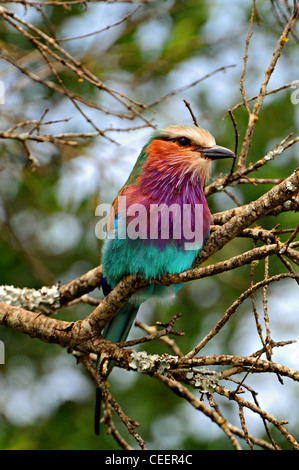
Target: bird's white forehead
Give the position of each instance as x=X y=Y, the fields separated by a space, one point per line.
x=197 y=135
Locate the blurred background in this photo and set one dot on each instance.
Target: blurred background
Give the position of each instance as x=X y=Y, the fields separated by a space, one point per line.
x=47 y=214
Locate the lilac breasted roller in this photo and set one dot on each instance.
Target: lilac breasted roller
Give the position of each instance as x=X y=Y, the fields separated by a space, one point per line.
x=159 y=220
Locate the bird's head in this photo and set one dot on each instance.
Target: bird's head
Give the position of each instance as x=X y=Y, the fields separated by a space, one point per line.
x=188 y=147
x=172 y=168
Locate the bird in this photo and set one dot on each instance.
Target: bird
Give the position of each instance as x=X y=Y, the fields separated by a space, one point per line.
x=158 y=221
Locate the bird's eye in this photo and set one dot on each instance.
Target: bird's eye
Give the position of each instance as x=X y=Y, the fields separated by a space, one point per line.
x=183 y=141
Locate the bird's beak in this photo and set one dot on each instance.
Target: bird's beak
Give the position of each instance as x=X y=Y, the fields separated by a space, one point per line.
x=216 y=152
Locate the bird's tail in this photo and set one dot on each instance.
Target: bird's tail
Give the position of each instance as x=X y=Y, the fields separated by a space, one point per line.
x=116 y=331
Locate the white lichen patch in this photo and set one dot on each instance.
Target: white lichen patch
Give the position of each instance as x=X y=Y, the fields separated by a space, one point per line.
x=272 y=154
x=290 y=186
x=45 y=300
x=218 y=186
x=143 y=362
x=203 y=379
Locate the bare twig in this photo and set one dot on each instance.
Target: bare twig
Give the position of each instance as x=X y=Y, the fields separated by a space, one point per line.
x=253 y=116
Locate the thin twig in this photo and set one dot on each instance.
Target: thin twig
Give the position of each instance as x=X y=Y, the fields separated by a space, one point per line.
x=191 y=112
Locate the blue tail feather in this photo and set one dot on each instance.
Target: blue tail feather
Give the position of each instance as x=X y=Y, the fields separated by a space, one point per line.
x=116 y=331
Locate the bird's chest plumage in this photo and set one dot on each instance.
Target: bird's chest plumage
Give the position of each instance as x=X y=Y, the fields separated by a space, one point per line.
x=165 y=221
x=176 y=211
